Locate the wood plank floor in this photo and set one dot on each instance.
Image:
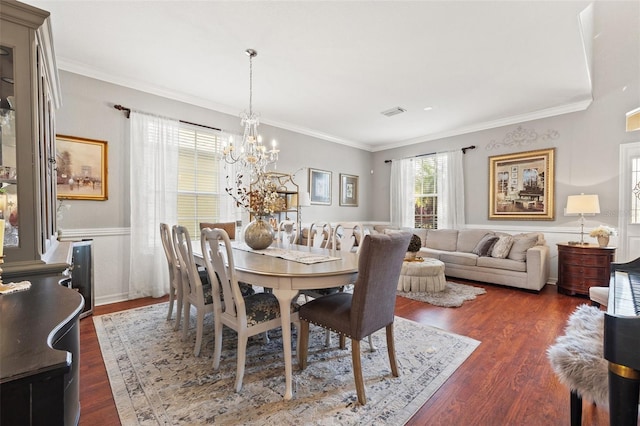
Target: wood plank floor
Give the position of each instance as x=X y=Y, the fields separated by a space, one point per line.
x=506 y=381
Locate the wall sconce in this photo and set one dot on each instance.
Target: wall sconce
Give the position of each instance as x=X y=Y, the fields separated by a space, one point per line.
x=582 y=204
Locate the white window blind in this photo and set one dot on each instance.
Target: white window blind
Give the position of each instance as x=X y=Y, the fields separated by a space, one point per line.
x=200 y=187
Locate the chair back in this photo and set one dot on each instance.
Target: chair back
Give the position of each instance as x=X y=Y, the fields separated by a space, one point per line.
x=170 y=254
x=374 y=293
x=218 y=259
x=344 y=236
x=287 y=229
x=192 y=285
x=320 y=234
x=230 y=227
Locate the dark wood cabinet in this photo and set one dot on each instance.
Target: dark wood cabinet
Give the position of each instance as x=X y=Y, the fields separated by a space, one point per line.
x=583 y=266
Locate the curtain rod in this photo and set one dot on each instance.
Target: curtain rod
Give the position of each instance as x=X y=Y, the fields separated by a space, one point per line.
x=127 y=112
x=464 y=151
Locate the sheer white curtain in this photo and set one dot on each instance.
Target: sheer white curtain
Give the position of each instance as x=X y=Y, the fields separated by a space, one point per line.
x=450 y=187
x=402 y=189
x=154 y=185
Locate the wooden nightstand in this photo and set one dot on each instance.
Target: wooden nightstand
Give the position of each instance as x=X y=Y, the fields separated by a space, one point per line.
x=583 y=266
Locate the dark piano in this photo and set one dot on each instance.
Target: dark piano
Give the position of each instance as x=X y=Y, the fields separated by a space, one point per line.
x=622 y=342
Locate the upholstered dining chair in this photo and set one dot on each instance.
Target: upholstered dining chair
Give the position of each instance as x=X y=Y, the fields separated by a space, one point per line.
x=319 y=234
x=370 y=307
x=175 y=278
x=229 y=227
x=196 y=291
x=287 y=229
x=248 y=315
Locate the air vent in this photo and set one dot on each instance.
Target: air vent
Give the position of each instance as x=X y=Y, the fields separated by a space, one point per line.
x=393 y=111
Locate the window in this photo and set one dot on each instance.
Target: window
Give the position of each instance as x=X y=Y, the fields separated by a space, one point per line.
x=200 y=190
x=426 y=192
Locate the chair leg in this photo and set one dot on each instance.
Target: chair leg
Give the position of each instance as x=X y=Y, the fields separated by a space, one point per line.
x=303 y=344
x=327 y=338
x=242 y=356
x=357 y=371
x=179 y=302
x=392 y=351
x=199 y=331
x=371 y=345
x=172 y=298
x=187 y=316
x=576 y=409
x=343 y=341
x=217 y=344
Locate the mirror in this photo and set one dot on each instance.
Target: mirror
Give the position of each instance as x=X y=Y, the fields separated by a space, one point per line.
x=8 y=169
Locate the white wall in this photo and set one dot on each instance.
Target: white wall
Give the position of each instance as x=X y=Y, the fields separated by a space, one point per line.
x=586 y=153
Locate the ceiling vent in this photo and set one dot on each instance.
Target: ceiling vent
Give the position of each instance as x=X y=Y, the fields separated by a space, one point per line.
x=393 y=111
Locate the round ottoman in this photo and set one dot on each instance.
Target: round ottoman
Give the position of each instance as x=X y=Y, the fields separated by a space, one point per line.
x=425 y=276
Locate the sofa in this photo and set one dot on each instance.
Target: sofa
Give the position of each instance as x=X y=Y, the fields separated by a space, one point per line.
x=520 y=260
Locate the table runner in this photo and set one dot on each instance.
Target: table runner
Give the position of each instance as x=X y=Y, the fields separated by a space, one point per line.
x=293 y=255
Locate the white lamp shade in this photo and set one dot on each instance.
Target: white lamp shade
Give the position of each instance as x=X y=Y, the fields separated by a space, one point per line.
x=581 y=204
x=305 y=199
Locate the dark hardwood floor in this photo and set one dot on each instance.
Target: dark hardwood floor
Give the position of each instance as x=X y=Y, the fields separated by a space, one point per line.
x=506 y=381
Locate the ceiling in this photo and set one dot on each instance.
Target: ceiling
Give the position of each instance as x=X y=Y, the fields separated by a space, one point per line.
x=329 y=68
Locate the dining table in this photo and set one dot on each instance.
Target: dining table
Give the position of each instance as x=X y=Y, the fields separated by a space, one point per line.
x=286 y=271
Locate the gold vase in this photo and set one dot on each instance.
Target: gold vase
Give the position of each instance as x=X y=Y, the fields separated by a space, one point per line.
x=258 y=234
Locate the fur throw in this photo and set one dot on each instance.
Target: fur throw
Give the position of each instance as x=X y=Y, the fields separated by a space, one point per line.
x=577 y=356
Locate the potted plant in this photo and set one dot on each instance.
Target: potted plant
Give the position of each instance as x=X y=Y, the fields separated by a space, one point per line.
x=414 y=247
x=602 y=233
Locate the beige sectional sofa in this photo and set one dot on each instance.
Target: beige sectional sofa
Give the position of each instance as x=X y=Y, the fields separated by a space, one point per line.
x=522 y=262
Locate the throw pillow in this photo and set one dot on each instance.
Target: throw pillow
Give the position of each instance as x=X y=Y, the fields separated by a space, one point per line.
x=520 y=246
x=502 y=247
x=484 y=246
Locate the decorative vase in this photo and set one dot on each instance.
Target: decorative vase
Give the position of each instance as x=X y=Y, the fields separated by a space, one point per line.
x=258 y=234
x=603 y=241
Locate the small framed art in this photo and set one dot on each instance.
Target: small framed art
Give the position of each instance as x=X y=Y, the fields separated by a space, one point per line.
x=348 y=190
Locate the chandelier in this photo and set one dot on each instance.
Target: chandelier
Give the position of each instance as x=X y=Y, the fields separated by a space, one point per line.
x=251 y=154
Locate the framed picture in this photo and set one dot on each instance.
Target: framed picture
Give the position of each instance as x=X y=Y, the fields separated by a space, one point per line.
x=81 y=166
x=528 y=196
x=320 y=187
x=348 y=190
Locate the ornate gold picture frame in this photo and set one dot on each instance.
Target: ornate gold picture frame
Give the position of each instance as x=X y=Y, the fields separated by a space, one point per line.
x=81 y=166
x=521 y=186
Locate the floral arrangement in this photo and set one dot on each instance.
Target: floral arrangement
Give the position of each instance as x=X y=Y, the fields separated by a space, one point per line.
x=602 y=231
x=414 y=244
x=261 y=199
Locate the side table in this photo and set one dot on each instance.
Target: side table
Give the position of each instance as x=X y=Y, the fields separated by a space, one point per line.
x=583 y=266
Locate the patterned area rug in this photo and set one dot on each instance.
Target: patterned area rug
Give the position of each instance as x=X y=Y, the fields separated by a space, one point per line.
x=156 y=379
x=452 y=297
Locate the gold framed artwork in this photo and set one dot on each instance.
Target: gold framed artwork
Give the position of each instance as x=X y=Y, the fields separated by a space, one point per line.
x=521 y=185
x=348 y=190
x=81 y=166
x=320 y=187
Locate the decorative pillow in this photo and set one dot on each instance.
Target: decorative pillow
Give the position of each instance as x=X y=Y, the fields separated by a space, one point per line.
x=520 y=246
x=484 y=246
x=502 y=247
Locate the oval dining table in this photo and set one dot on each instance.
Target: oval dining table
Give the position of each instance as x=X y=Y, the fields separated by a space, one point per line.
x=287 y=278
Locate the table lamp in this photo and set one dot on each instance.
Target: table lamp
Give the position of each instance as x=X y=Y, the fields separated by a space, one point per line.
x=582 y=204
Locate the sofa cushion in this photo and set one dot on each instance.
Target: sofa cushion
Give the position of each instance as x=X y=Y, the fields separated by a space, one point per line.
x=508 y=264
x=458 y=258
x=502 y=247
x=522 y=243
x=442 y=239
x=468 y=239
x=430 y=253
x=484 y=246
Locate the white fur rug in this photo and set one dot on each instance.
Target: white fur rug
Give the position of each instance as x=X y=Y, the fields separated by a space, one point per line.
x=453 y=296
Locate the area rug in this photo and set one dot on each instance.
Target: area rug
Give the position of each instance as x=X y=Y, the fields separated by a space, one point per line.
x=156 y=379
x=452 y=297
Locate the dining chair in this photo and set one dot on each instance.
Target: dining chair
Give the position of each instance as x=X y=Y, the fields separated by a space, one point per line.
x=319 y=235
x=230 y=227
x=247 y=316
x=195 y=292
x=346 y=236
x=370 y=308
x=175 y=278
x=287 y=233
